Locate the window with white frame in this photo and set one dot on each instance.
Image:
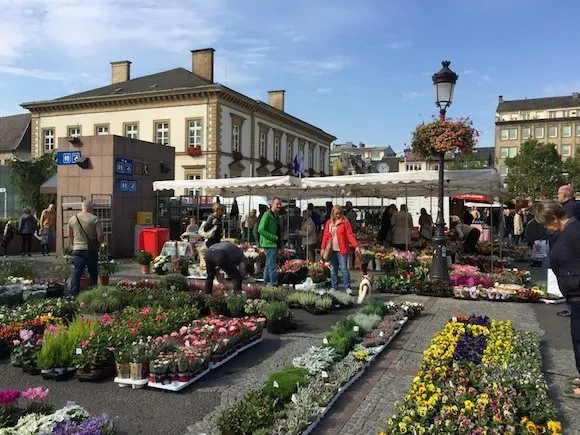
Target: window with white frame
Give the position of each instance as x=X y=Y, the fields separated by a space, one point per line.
x=552 y=114
x=301 y=150
x=194 y=133
x=577 y=129
x=539 y=115
x=48 y=139
x=566 y=150
x=566 y=131
x=509 y=133
x=514 y=116
x=505 y=152
x=277 y=148
x=503 y=170
x=413 y=166
x=192 y=192
x=263 y=142
x=539 y=133
x=552 y=131
x=74 y=131
x=311 y=156
x=322 y=154
x=162 y=133
x=527 y=116
x=564 y=113
x=101 y=130
x=526 y=132
x=132 y=131
x=289 y=151
x=235 y=137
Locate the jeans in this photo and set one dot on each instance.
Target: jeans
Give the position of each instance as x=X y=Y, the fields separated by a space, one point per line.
x=26 y=243
x=575 y=327
x=90 y=259
x=339 y=260
x=270 y=269
x=215 y=259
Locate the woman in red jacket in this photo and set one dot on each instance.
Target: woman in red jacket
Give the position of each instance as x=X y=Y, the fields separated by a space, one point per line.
x=338 y=231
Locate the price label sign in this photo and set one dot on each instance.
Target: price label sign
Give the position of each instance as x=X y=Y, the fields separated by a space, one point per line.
x=325 y=340
x=324 y=374
x=355 y=328
x=79 y=351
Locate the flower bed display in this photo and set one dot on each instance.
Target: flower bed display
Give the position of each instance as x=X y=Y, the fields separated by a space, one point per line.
x=478 y=376
x=294 y=399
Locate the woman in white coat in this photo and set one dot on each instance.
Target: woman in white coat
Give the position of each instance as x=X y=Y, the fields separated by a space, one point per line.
x=402 y=223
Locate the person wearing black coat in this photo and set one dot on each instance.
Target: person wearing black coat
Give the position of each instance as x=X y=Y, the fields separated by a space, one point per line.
x=565 y=262
x=385 y=234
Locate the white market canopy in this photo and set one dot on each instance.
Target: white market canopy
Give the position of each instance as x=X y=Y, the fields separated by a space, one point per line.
x=387 y=185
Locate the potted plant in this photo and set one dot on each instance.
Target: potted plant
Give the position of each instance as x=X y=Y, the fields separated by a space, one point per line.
x=144 y=258
x=236 y=305
x=194 y=151
x=278 y=315
x=277 y=164
x=264 y=161
x=444 y=135
x=122 y=362
x=139 y=359
x=107 y=267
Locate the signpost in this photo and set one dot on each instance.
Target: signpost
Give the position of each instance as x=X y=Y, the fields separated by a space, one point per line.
x=3 y=190
x=64 y=158
x=123 y=166
x=124 y=185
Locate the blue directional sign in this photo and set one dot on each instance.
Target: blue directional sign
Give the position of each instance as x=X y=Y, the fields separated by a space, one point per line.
x=67 y=157
x=123 y=166
x=126 y=185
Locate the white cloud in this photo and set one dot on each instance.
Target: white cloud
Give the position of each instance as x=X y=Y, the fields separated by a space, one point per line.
x=316 y=68
x=414 y=94
x=323 y=91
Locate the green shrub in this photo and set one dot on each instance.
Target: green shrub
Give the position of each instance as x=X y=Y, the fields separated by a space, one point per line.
x=106 y=299
x=173 y=282
x=271 y=293
x=276 y=310
x=287 y=381
x=255 y=412
x=236 y=304
x=342 y=343
x=374 y=306
x=217 y=304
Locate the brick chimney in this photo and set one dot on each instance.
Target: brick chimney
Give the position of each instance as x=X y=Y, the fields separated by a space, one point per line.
x=120 y=71
x=202 y=63
x=276 y=99
x=500 y=99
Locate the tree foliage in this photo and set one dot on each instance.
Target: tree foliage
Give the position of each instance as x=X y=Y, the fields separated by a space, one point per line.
x=535 y=171
x=337 y=167
x=468 y=161
x=28 y=176
x=572 y=167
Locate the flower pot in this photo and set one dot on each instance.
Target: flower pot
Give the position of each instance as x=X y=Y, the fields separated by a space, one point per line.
x=59 y=370
x=46 y=371
x=145 y=269
x=275 y=326
x=84 y=284
x=123 y=370
x=104 y=280
x=136 y=370
x=183 y=377
x=377 y=264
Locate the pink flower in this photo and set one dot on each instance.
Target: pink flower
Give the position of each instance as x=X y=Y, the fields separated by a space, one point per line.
x=183 y=330
x=26 y=334
x=15 y=342
x=35 y=393
x=84 y=343
x=106 y=319
x=92 y=334
x=8 y=397
x=145 y=311
x=222 y=331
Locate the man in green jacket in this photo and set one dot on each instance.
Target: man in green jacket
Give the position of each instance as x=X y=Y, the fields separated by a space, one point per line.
x=270 y=230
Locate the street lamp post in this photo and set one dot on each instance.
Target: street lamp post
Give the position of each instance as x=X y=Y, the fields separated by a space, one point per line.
x=444 y=82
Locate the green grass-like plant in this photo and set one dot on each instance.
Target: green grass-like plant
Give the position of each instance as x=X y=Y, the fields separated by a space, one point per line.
x=173 y=282
x=281 y=385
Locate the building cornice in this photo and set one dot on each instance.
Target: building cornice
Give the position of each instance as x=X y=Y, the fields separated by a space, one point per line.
x=175 y=96
x=538 y=121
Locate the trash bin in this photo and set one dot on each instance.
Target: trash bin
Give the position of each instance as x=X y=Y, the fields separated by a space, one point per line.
x=153 y=239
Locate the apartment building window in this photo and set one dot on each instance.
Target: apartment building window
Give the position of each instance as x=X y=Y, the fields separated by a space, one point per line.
x=577 y=129
x=509 y=133
x=131 y=130
x=539 y=133
x=413 y=166
x=526 y=132
x=527 y=116
x=194 y=132
x=552 y=114
x=235 y=137
x=301 y=149
x=566 y=150
x=503 y=170
x=506 y=152
x=311 y=156
x=277 y=151
x=322 y=154
x=289 y=151
x=162 y=132
x=192 y=176
x=539 y=115
x=74 y=131
x=102 y=129
x=263 y=144
x=48 y=139
x=514 y=116
x=566 y=131
x=564 y=113
x=552 y=131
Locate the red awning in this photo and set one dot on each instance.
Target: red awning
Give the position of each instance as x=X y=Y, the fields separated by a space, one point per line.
x=472 y=198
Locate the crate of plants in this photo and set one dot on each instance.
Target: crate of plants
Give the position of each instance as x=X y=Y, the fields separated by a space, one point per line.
x=293 y=272
x=311 y=302
x=132 y=363
x=294 y=399
x=278 y=317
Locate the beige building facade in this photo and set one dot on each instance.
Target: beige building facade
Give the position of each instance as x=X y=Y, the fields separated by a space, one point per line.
x=551 y=120
x=216 y=131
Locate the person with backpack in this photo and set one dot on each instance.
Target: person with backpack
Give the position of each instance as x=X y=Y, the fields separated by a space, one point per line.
x=27 y=225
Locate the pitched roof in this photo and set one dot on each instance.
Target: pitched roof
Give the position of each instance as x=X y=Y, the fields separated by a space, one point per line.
x=539 y=103
x=177 y=78
x=13 y=129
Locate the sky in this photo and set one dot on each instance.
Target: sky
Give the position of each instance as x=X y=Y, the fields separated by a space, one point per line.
x=359 y=69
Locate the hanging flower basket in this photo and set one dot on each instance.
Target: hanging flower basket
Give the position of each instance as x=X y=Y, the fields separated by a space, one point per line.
x=194 y=151
x=264 y=161
x=441 y=136
x=237 y=156
x=277 y=164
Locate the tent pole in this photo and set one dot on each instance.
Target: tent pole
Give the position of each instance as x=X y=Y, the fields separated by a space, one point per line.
x=491 y=222
x=406 y=225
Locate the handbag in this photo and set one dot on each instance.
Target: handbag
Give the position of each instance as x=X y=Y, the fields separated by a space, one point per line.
x=207 y=234
x=92 y=244
x=327 y=252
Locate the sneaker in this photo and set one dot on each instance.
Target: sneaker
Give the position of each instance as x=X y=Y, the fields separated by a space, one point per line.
x=332 y=290
x=349 y=291
x=564 y=313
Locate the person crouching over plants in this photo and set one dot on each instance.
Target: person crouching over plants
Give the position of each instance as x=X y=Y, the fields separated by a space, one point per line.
x=466 y=233
x=229 y=258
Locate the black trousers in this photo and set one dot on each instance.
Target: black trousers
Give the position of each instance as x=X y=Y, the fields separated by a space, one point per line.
x=575 y=327
x=220 y=259
x=470 y=243
x=26 y=243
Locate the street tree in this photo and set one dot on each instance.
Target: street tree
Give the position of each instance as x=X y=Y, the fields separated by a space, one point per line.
x=572 y=168
x=28 y=176
x=535 y=171
x=468 y=161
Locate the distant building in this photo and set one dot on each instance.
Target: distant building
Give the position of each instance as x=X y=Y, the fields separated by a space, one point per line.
x=550 y=120
x=412 y=162
x=14 y=137
x=360 y=159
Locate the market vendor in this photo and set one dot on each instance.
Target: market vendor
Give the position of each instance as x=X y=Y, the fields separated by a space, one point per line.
x=466 y=233
x=229 y=258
